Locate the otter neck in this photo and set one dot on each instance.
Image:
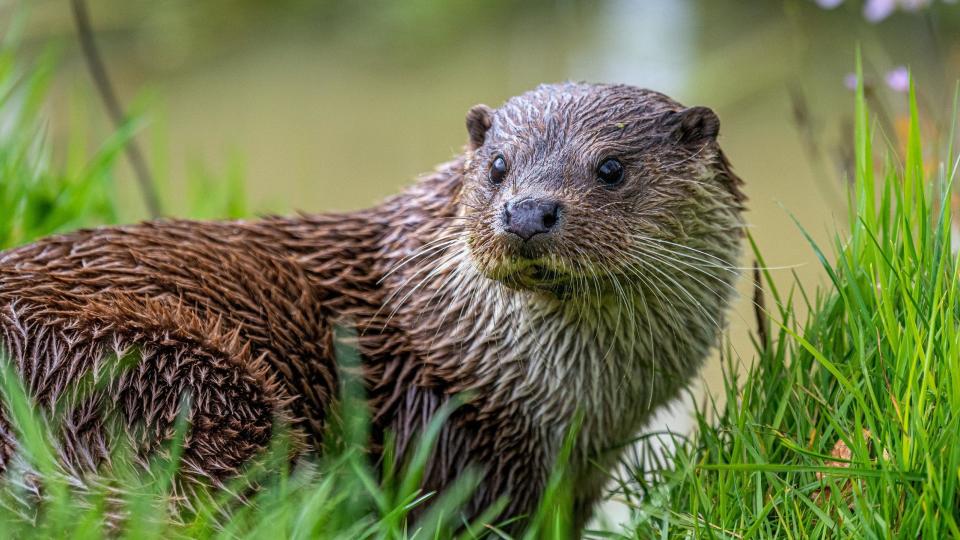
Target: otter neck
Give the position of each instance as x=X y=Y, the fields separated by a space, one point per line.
x=615 y=357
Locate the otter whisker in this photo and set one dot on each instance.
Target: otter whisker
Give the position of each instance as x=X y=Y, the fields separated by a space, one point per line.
x=446 y=288
x=641 y=255
x=426 y=249
x=689 y=260
x=673 y=256
x=653 y=350
x=667 y=305
x=668 y=259
x=720 y=262
x=622 y=302
x=720 y=281
x=670 y=310
x=587 y=271
x=679 y=287
x=401 y=285
x=441 y=266
x=631 y=334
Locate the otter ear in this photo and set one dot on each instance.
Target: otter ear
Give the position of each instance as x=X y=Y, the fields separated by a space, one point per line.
x=479 y=120
x=694 y=125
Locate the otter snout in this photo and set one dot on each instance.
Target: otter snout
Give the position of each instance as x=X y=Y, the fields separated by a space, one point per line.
x=529 y=217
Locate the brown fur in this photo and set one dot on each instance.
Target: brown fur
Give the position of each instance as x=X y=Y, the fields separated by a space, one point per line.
x=241 y=315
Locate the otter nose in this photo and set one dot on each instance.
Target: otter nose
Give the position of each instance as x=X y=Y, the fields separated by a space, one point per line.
x=530 y=216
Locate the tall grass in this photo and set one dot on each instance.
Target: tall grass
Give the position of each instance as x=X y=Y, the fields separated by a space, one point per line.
x=38 y=197
x=848 y=424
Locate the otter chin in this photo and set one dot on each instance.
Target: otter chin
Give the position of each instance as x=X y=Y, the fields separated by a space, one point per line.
x=529 y=265
x=535 y=275
x=569 y=270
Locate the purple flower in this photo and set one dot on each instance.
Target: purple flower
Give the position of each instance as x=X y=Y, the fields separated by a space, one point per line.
x=878 y=10
x=850 y=81
x=898 y=79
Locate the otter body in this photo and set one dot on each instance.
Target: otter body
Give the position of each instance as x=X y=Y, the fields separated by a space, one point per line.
x=574 y=262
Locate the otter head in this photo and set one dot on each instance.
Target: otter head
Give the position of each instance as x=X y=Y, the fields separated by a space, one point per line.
x=577 y=189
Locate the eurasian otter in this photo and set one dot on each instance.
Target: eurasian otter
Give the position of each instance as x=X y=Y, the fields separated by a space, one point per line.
x=578 y=256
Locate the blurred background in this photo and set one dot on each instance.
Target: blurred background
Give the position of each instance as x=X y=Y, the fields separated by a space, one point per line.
x=334 y=105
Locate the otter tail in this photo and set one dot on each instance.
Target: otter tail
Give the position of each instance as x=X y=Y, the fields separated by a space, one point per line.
x=124 y=366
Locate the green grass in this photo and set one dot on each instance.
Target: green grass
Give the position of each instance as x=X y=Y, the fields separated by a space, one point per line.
x=874 y=367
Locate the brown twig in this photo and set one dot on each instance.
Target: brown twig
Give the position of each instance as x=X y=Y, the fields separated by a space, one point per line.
x=760 y=307
x=98 y=72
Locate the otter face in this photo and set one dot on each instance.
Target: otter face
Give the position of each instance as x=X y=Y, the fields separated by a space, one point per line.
x=567 y=186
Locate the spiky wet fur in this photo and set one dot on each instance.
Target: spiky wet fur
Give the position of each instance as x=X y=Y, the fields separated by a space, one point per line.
x=242 y=315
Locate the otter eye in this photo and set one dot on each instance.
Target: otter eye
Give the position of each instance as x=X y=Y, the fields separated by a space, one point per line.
x=498 y=169
x=610 y=171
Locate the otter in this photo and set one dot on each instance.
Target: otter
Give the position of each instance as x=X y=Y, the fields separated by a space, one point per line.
x=572 y=266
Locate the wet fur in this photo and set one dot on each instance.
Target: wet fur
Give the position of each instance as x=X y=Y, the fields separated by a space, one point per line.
x=242 y=315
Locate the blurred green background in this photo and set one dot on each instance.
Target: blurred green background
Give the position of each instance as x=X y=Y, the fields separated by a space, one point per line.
x=323 y=105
